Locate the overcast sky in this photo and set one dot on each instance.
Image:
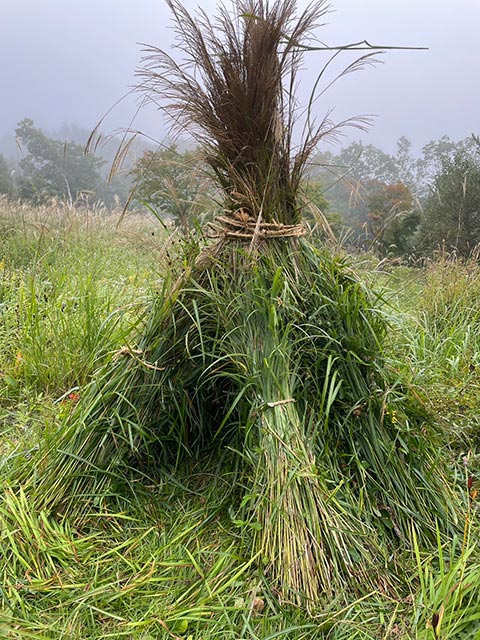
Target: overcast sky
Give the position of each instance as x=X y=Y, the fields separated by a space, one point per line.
x=68 y=61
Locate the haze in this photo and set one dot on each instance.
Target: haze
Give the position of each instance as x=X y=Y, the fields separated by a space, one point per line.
x=69 y=62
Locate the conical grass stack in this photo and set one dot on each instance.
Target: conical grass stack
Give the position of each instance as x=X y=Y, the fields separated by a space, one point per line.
x=267 y=346
x=284 y=365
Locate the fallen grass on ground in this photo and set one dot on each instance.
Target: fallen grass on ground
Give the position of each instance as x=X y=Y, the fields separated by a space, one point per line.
x=169 y=558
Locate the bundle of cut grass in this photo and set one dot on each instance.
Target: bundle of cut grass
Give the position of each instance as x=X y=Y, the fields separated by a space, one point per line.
x=266 y=345
x=282 y=364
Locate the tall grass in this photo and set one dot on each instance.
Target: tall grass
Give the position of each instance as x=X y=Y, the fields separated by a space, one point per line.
x=438 y=341
x=66 y=302
x=446 y=604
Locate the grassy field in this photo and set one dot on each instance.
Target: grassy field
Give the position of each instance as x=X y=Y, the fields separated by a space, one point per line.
x=165 y=555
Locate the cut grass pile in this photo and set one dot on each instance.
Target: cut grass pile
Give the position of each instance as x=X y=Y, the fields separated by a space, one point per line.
x=284 y=365
x=172 y=557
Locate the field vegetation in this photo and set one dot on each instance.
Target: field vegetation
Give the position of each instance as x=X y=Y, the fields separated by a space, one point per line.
x=238 y=431
x=170 y=557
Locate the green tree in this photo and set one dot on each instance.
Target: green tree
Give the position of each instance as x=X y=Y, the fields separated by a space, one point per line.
x=6 y=183
x=407 y=167
x=452 y=211
x=367 y=162
x=393 y=217
x=174 y=183
x=317 y=210
x=53 y=168
x=354 y=175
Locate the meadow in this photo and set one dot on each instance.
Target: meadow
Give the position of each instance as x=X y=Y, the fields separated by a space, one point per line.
x=163 y=554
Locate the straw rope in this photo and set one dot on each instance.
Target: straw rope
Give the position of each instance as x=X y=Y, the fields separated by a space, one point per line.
x=241 y=226
x=135 y=354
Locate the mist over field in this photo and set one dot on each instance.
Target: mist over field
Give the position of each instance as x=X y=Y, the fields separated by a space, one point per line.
x=68 y=63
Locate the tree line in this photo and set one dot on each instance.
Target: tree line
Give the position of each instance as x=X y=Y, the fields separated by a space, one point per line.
x=402 y=205
x=51 y=168
x=397 y=204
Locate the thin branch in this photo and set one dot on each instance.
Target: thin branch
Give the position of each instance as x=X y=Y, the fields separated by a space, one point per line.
x=363 y=45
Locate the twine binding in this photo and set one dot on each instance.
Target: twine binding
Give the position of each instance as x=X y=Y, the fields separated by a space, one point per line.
x=241 y=226
x=135 y=354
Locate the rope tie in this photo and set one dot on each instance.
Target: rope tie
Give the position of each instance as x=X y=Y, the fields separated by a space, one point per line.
x=135 y=354
x=243 y=227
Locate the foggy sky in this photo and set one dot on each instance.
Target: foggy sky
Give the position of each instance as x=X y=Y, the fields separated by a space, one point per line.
x=69 y=62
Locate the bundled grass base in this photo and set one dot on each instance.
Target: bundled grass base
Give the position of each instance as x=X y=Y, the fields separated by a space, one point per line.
x=284 y=365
